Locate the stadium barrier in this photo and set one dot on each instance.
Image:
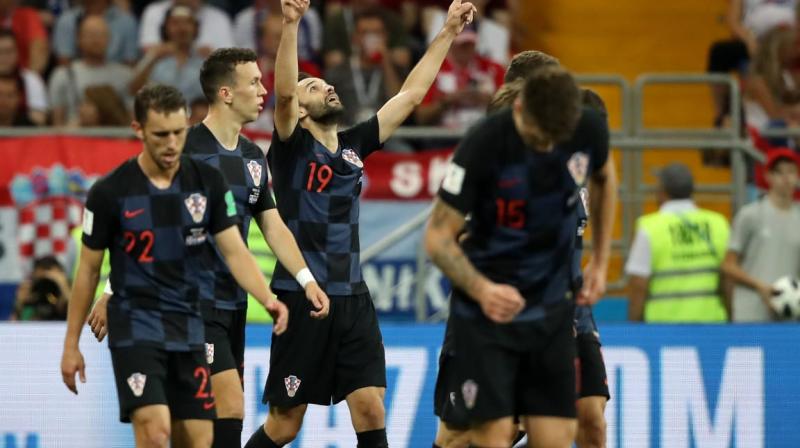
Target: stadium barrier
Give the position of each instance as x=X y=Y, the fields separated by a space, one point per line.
x=671 y=386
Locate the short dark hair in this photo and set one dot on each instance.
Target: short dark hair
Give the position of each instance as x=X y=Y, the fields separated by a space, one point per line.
x=552 y=98
x=159 y=98
x=219 y=67
x=47 y=262
x=593 y=101
x=303 y=75
x=505 y=95
x=525 y=62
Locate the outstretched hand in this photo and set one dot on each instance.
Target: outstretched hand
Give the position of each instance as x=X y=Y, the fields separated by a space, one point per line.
x=459 y=15
x=293 y=10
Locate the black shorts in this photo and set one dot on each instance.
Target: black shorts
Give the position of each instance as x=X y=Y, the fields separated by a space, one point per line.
x=147 y=376
x=592 y=378
x=522 y=368
x=444 y=396
x=225 y=339
x=316 y=361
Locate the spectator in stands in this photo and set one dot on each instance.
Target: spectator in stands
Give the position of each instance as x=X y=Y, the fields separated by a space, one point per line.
x=368 y=78
x=91 y=91
x=463 y=88
x=10 y=100
x=32 y=45
x=339 y=27
x=173 y=62
x=771 y=81
x=748 y=21
x=33 y=93
x=216 y=30
x=123 y=42
x=765 y=241
x=45 y=294
x=674 y=262
x=494 y=38
x=248 y=29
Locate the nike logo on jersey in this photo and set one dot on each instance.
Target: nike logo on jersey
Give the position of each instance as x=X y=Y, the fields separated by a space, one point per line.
x=133 y=213
x=509 y=183
x=207 y=406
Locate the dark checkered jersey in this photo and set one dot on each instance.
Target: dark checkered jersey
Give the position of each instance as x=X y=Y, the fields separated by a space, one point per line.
x=524 y=207
x=157 y=241
x=317 y=193
x=245 y=171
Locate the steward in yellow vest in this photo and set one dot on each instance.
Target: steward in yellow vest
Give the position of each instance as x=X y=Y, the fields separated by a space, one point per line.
x=674 y=262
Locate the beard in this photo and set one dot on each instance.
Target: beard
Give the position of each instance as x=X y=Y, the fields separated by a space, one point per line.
x=326 y=113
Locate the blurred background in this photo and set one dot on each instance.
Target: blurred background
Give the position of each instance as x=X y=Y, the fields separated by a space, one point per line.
x=712 y=85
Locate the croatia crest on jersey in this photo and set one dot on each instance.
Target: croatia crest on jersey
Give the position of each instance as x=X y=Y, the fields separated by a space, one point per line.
x=255 y=171
x=196 y=204
x=351 y=156
x=578 y=167
x=210 y=353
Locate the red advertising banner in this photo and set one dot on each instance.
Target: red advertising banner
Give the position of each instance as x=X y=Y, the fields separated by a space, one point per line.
x=405 y=177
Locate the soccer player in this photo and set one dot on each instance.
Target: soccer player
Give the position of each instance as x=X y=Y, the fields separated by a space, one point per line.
x=602 y=182
x=154 y=213
x=512 y=302
x=317 y=179
x=231 y=80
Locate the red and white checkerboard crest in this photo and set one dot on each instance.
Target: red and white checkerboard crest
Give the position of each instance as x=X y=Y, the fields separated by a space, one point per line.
x=210 y=353
x=351 y=156
x=196 y=204
x=255 y=171
x=136 y=382
x=469 y=391
x=578 y=166
x=292 y=384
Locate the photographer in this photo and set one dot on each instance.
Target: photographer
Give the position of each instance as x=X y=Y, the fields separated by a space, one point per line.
x=44 y=296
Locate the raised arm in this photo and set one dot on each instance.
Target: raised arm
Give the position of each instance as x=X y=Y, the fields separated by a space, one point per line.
x=282 y=242
x=82 y=295
x=245 y=270
x=413 y=91
x=499 y=303
x=286 y=71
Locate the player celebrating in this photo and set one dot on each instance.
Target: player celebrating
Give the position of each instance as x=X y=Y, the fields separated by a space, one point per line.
x=511 y=307
x=317 y=179
x=593 y=390
x=231 y=80
x=154 y=214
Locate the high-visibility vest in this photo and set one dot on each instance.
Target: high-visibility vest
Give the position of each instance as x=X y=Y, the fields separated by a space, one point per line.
x=105 y=268
x=266 y=263
x=686 y=253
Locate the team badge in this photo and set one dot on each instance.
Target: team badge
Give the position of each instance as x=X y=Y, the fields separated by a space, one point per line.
x=352 y=157
x=210 y=353
x=578 y=166
x=196 y=204
x=292 y=384
x=136 y=383
x=469 y=390
x=255 y=171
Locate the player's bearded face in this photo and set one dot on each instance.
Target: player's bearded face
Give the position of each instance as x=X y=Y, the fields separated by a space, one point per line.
x=164 y=135
x=320 y=101
x=248 y=92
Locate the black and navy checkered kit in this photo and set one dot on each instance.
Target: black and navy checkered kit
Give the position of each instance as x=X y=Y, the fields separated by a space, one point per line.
x=317 y=193
x=245 y=171
x=157 y=239
x=524 y=206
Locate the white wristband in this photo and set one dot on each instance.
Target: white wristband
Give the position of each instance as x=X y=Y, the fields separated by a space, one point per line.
x=107 y=289
x=304 y=277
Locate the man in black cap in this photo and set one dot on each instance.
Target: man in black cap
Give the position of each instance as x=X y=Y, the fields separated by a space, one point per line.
x=674 y=262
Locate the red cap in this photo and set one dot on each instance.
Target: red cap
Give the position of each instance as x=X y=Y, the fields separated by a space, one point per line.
x=781 y=154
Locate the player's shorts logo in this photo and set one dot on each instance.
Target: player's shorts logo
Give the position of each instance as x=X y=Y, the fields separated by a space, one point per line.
x=210 y=354
x=578 y=166
x=255 y=171
x=254 y=194
x=136 y=383
x=351 y=156
x=292 y=384
x=196 y=204
x=469 y=390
